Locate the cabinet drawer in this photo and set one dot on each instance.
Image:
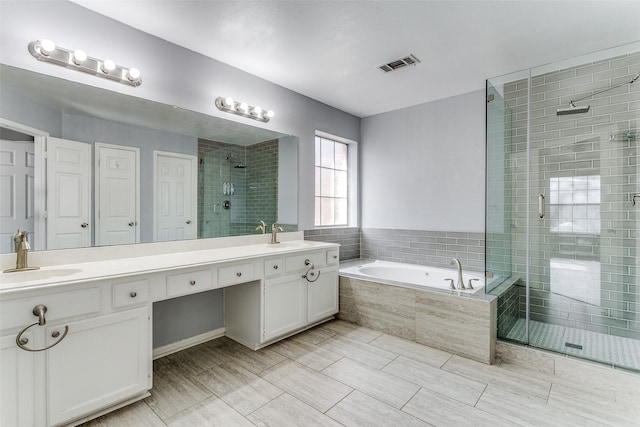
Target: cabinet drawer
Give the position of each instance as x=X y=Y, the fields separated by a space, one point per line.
x=19 y=313
x=187 y=283
x=233 y=274
x=333 y=256
x=297 y=262
x=130 y=293
x=273 y=267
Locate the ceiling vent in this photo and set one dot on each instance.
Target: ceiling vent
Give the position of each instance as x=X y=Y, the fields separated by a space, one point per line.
x=399 y=63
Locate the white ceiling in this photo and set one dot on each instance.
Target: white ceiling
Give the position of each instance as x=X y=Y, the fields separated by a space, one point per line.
x=330 y=50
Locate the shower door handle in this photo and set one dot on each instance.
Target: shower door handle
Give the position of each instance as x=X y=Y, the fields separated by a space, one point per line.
x=541 y=206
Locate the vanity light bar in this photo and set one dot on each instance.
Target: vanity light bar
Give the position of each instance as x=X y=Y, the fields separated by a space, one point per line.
x=243 y=109
x=47 y=51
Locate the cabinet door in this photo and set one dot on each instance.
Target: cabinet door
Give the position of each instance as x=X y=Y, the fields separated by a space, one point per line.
x=102 y=361
x=323 y=296
x=17 y=390
x=285 y=305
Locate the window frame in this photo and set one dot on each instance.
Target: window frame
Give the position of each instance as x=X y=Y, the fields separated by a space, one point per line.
x=352 y=180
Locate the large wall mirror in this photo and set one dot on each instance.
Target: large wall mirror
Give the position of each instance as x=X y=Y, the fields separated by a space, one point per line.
x=82 y=166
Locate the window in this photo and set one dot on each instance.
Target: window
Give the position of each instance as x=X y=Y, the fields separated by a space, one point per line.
x=334 y=183
x=575 y=205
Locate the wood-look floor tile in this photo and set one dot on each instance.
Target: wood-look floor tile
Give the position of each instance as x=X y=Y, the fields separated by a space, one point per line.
x=241 y=389
x=377 y=384
x=210 y=412
x=316 y=335
x=286 y=410
x=412 y=350
x=359 y=351
x=491 y=374
x=135 y=415
x=437 y=380
x=351 y=330
x=308 y=354
x=600 y=411
x=528 y=410
x=311 y=387
x=358 y=409
x=443 y=411
x=173 y=391
x=199 y=358
x=255 y=361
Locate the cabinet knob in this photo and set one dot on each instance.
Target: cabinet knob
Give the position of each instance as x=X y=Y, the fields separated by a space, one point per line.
x=335 y=256
x=239 y=274
x=131 y=224
x=275 y=267
x=84 y=225
x=24 y=341
x=192 y=282
x=188 y=221
x=133 y=294
x=55 y=334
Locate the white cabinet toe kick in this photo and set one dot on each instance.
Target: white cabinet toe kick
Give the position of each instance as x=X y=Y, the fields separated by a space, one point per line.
x=76 y=347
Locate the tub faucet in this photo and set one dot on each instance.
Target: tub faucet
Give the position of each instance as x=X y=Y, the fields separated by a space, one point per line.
x=274 y=232
x=21 y=247
x=460 y=284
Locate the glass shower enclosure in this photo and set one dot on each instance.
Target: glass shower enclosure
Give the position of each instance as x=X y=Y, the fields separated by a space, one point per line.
x=563 y=206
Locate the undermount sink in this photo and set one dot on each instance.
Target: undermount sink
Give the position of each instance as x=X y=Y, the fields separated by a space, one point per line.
x=32 y=275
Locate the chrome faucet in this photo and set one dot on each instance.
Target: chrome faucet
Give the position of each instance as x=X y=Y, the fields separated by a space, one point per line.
x=262 y=227
x=274 y=232
x=460 y=284
x=21 y=247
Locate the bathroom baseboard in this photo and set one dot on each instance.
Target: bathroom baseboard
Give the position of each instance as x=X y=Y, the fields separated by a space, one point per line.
x=175 y=347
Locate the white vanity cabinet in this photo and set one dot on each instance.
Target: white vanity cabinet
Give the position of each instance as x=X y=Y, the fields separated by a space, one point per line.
x=285 y=302
x=103 y=360
x=17 y=387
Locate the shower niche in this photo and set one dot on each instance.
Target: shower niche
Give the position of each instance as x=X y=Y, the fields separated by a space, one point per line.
x=562 y=231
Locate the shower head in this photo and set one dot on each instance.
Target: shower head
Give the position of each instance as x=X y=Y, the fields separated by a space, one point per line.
x=572 y=109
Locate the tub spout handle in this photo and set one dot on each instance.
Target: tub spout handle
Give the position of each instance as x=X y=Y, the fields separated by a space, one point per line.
x=470 y=286
x=451 y=285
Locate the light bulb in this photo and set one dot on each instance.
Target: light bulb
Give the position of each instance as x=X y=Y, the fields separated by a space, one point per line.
x=269 y=114
x=257 y=111
x=243 y=107
x=108 y=66
x=133 y=74
x=79 y=56
x=47 y=47
x=228 y=102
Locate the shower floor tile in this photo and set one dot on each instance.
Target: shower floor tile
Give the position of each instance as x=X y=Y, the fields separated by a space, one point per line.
x=620 y=352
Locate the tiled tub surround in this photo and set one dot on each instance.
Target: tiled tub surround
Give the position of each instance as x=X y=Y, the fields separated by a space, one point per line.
x=460 y=324
x=347 y=237
x=576 y=150
x=433 y=248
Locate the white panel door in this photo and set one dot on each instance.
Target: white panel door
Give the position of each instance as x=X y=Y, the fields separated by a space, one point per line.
x=68 y=194
x=175 y=197
x=17 y=165
x=117 y=195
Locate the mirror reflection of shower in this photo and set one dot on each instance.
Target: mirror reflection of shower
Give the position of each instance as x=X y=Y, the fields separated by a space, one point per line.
x=237 y=164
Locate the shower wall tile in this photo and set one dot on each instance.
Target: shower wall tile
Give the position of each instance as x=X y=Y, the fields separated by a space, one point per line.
x=564 y=147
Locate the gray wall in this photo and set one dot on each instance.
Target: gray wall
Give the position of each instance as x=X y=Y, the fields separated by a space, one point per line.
x=422 y=168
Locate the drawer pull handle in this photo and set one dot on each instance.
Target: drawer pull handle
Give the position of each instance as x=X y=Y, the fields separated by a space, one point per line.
x=192 y=282
x=275 y=267
x=239 y=274
x=39 y=310
x=133 y=294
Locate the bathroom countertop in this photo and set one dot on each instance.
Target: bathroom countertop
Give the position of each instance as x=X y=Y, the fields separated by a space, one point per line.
x=98 y=270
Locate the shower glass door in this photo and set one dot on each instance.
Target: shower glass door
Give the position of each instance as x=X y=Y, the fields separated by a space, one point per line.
x=573 y=180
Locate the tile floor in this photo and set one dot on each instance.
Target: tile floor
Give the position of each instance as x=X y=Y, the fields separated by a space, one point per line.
x=340 y=374
x=616 y=351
